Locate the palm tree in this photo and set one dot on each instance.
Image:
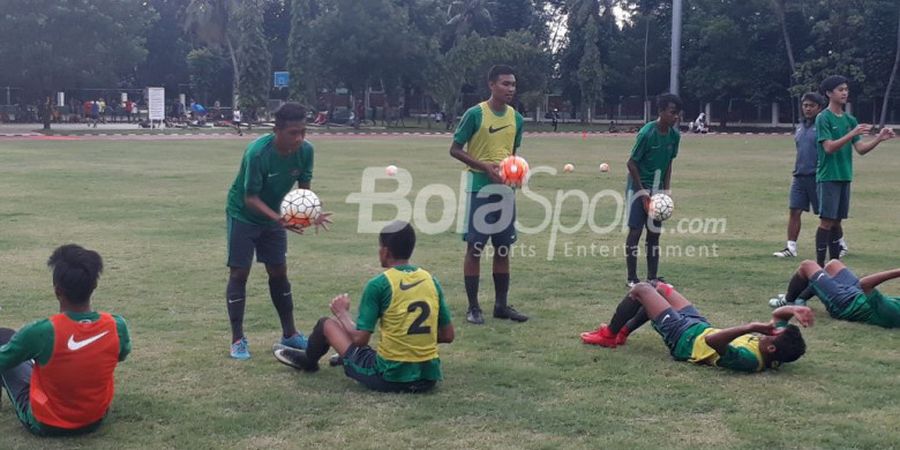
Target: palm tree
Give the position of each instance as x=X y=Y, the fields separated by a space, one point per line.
x=470 y=15
x=210 y=22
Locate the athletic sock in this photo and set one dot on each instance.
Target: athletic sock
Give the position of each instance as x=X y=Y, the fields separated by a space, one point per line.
x=631 y=252
x=501 y=289
x=317 y=345
x=834 y=246
x=472 y=290
x=652 y=255
x=637 y=321
x=796 y=286
x=792 y=246
x=280 y=291
x=627 y=308
x=235 y=300
x=822 y=236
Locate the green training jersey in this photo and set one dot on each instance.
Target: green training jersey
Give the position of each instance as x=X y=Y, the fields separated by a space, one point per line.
x=837 y=166
x=488 y=136
x=653 y=152
x=885 y=310
x=376 y=300
x=269 y=175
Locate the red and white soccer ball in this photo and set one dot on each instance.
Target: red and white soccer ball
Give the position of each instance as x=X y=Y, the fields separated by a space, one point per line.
x=300 y=207
x=661 y=207
x=513 y=170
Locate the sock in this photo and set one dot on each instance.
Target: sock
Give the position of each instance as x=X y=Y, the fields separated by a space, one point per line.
x=472 y=290
x=280 y=291
x=821 y=245
x=807 y=293
x=652 y=255
x=317 y=345
x=501 y=289
x=631 y=252
x=796 y=286
x=792 y=246
x=627 y=308
x=637 y=321
x=834 y=245
x=235 y=300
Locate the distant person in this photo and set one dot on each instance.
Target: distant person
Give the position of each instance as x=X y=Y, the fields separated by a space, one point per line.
x=236 y=120
x=699 y=125
x=554 y=117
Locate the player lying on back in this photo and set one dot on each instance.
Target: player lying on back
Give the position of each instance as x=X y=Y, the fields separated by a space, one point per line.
x=414 y=318
x=845 y=296
x=58 y=372
x=752 y=347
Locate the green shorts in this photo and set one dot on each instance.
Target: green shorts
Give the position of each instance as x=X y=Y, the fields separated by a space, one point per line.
x=885 y=310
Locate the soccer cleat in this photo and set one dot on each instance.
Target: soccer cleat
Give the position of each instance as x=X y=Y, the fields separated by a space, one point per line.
x=786 y=253
x=295 y=358
x=335 y=360
x=622 y=336
x=779 y=301
x=508 y=312
x=602 y=337
x=632 y=283
x=297 y=341
x=844 y=250
x=474 y=316
x=240 y=349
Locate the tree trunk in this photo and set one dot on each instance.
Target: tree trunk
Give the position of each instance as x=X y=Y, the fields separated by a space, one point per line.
x=778 y=5
x=646 y=43
x=236 y=83
x=890 y=85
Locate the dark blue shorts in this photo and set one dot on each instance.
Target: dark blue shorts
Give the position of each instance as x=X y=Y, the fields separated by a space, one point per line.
x=834 y=199
x=269 y=242
x=671 y=324
x=637 y=215
x=360 y=365
x=491 y=215
x=836 y=292
x=804 y=192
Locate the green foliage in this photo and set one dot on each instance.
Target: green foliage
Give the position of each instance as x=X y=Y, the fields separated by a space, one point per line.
x=298 y=50
x=253 y=55
x=590 y=68
x=206 y=67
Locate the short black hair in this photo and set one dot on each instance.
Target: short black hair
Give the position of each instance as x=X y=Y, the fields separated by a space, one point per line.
x=814 y=97
x=830 y=83
x=664 y=100
x=399 y=238
x=75 y=271
x=500 y=69
x=289 y=112
x=789 y=346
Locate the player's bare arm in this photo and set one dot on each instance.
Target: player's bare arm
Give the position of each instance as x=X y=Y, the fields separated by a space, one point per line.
x=719 y=340
x=870 y=282
x=833 y=146
x=340 y=307
x=865 y=147
x=492 y=170
x=803 y=314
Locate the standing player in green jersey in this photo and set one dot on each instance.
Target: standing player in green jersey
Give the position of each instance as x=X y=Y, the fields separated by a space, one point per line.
x=58 y=372
x=490 y=131
x=838 y=134
x=269 y=169
x=649 y=172
x=414 y=318
x=752 y=347
x=845 y=296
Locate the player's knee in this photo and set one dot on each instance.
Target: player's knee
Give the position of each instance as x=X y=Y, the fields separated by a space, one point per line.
x=834 y=266
x=641 y=289
x=276 y=272
x=239 y=276
x=808 y=268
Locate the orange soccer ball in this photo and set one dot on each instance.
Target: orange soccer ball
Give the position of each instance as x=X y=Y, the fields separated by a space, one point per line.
x=513 y=170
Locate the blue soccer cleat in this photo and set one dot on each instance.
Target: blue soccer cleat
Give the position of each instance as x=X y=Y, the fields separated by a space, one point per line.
x=297 y=341
x=240 y=349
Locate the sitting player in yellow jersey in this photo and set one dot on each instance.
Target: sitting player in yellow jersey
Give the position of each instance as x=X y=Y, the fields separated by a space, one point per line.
x=845 y=296
x=414 y=318
x=691 y=338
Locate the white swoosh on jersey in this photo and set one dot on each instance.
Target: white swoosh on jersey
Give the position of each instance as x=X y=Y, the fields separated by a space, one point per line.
x=77 y=345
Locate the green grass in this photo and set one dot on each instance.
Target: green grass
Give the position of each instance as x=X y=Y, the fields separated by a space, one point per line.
x=154 y=210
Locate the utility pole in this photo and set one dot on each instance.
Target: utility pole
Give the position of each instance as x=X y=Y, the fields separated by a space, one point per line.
x=676 y=46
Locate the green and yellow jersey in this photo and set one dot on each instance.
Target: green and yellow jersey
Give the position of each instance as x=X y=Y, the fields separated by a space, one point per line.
x=653 y=152
x=837 y=166
x=269 y=175
x=410 y=306
x=743 y=352
x=488 y=136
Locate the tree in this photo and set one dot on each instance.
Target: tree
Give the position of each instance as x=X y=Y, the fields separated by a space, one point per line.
x=211 y=22
x=253 y=56
x=590 y=70
x=466 y=16
x=42 y=52
x=298 y=49
x=890 y=84
x=208 y=73
x=167 y=49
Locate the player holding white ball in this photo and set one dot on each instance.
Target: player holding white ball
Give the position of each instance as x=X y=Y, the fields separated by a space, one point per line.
x=270 y=168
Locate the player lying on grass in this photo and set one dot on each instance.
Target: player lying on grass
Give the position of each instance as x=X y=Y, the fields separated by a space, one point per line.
x=752 y=347
x=414 y=318
x=845 y=296
x=58 y=372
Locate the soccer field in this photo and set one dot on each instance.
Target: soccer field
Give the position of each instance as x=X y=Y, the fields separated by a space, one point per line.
x=155 y=211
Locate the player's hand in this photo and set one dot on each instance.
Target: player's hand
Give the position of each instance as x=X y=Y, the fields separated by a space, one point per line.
x=861 y=129
x=291 y=226
x=493 y=172
x=885 y=134
x=804 y=315
x=767 y=328
x=340 y=304
x=323 y=220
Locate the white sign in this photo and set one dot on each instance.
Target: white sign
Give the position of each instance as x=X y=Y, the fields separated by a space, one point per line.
x=60 y=98
x=157 y=103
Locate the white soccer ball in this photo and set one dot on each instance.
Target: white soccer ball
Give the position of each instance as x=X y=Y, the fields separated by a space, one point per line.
x=661 y=207
x=301 y=207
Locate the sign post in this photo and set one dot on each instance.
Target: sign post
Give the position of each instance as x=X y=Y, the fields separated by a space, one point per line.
x=157 y=105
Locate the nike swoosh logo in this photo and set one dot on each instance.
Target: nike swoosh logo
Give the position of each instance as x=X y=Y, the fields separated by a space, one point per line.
x=406 y=287
x=493 y=130
x=77 y=345
x=273 y=175
x=236 y=300
x=665 y=318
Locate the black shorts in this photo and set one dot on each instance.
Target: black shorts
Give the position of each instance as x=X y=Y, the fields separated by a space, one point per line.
x=836 y=292
x=491 y=215
x=269 y=242
x=671 y=324
x=637 y=215
x=834 y=199
x=359 y=364
x=804 y=193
